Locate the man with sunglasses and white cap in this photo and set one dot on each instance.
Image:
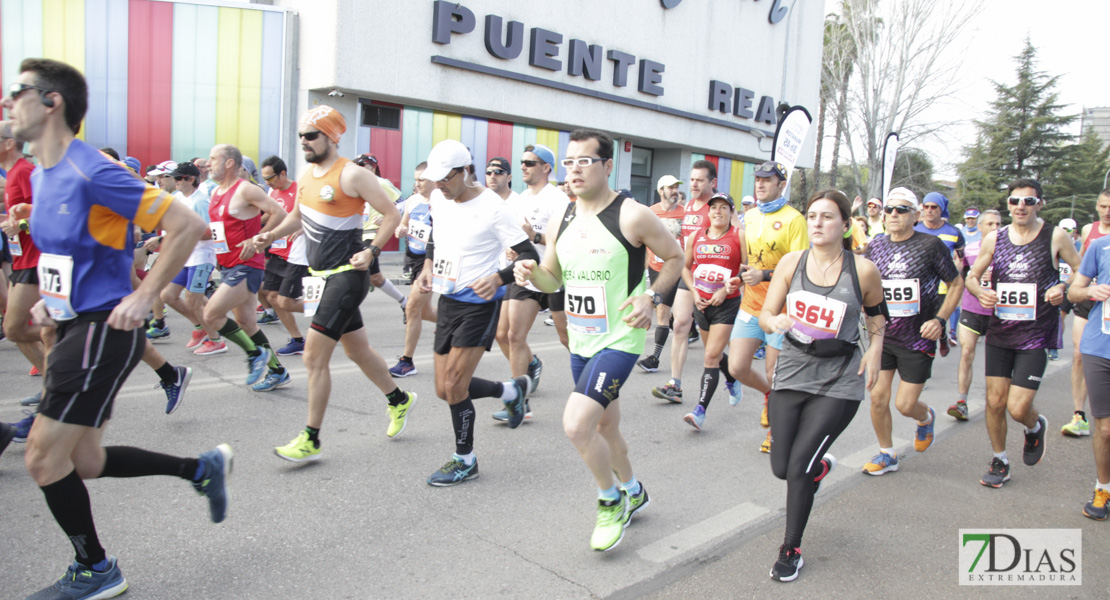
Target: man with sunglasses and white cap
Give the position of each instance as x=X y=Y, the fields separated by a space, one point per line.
x=912 y=265
x=671 y=213
x=539 y=205
x=875 y=218
x=1025 y=292
x=471 y=227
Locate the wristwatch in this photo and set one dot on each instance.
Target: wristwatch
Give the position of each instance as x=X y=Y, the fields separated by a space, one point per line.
x=656 y=297
x=537 y=239
x=375 y=251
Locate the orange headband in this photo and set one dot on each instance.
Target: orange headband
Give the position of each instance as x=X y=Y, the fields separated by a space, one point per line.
x=328 y=120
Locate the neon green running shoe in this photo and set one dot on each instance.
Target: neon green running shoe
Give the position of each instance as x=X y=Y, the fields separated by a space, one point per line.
x=398 y=415
x=301 y=449
x=612 y=518
x=1078 y=427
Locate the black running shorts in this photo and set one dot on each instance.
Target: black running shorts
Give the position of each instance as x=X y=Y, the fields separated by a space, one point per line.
x=1024 y=368
x=465 y=325
x=913 y=366
x=339 y=313
x=725 y=314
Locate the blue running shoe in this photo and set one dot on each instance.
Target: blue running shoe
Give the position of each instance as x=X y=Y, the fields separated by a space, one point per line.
x=454 y=472
x=735 y=392
x=268 y=319
x=32 y=400
x=293 y=347
x=272 y=381
x=516 y=407
x=175 y=393
x=158 y=333
x=7 y=432
x=82 y=582
x=535 y=369
x=23 y=427
x=403 y=368
x=761 y=353
x=213 y=482
x=923 y=438
x=257 y=366
x=696 y=418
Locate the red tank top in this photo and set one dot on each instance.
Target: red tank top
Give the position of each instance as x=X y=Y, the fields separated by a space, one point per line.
x=715 y=261
x=233 y=230
x=1092 y=235
x=694 y=221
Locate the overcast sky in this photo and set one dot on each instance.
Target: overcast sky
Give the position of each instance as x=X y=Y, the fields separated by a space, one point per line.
x=1072 y=39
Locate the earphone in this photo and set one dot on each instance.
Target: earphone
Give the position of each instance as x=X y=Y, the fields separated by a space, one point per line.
x=46 y=101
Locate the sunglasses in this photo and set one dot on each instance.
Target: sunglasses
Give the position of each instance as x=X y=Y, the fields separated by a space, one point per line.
x=496 y=171
x=310 y=136
x=1026 y=200
x=530 y=163
x=179 y=177
x=450 y=175
x=270 y=177
x=584 y=161
x=18 y=88
x=1068 y=229
x=899 y=208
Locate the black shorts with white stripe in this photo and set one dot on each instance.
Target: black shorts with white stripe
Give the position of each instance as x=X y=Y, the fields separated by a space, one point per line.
x=87 y=367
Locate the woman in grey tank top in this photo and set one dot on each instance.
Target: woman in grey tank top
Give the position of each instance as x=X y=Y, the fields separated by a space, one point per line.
x=816 y=298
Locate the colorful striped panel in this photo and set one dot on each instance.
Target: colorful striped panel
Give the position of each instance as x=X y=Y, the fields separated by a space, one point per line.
x=416 y=126
x=64 y=34
x=475 y=136
x=695 y=157
x=21 y=35
x=724 y=175
x=270 y=84
x=749 y=180
x=616 y=163
x=446 y=126
x=523 y=135
x=564 y=140
x=106 y=73
x=149 y=76
x=238 y=82
x=737 y=183
x=499 y=140
x=716 y=160
x=385 y=145
x=195 y=52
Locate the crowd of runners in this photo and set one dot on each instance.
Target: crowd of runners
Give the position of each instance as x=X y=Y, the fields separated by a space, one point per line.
x=836 y=307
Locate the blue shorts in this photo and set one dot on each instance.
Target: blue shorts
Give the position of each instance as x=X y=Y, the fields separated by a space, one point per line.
x=747 y=327
x=233 y=276
x=601 y=376
x=194 y=279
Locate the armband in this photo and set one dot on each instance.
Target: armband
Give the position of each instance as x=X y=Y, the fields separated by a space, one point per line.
x=429 y=250
x=878 y=309
x=767 y=275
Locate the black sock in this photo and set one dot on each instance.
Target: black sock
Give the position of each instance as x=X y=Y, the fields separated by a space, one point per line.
x=484 y=388
x=167 y=373
x=407 y=359
x=159 y=323
x=68 y=500
x=462 y=417
x=128 y=461
x=313 y=435
x=709 y=380
x=724 y=369
x=299 y=340
x=661 y=334
x=1082 y=415
x=396 y=397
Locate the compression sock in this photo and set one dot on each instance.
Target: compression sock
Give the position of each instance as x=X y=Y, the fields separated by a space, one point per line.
x=484 y=388
x=68 y=500
x=128 y=461
x=661 y=334
x=167 y=374
x=234 y=334
x=723 y=365
x=260 y=341
x=392 y=291
x=709 y=380
x=396 y=397
x=462 y=418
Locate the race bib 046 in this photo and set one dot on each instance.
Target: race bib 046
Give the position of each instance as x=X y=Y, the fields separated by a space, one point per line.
x=1016 y=302
x=585 y=306
x=903 y=297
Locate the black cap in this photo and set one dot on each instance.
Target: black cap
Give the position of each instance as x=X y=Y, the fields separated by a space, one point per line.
x=500 y=163
x=184 y=168
x=770 y=168
x=723 y=196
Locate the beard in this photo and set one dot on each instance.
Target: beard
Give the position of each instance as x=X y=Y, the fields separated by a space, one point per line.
x=314 y=157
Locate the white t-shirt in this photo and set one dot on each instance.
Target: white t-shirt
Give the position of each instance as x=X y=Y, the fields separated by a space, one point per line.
x=470 y=239
x=203 y=253
x=538 y=210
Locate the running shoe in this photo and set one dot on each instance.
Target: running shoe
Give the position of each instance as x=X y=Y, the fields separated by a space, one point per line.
x=787 y=566
x=35 y=399
x=195 y=339
x=213 y=482
x=407 y=274
x=612 y=518
x=760 y=353
x=952 y=341
x=998 y=474
x=22 y=428
x=7 y=432
x=765 y=447
x=958 y=410
x=694 y=336
x=880 y=464
x=764 y=420
x=293 y=347
x=454 y=472
x=272 y=381
x=399 y=415
x=1095 y=509
x=259 y=309
x=301 y=449
x=696 y=417
x=735 y=392
x=943 y=351
x=268 y=319
x=158 y=333
x=649 y=364
x=34 y=372
x=1034 y=443
x=1053 y=354
x=2 y=336
x=669 y=392
x=1078 y=427
x=515 y=407
x=535 y=369
x=403 y=368
x=503 y=415
x=256 y=366
x=828 y=463
x=404 y=315
x=80 y=581
x=637 y=502
x=175 y=392
x=210 y=347
x=923 y=437
x=549 y=322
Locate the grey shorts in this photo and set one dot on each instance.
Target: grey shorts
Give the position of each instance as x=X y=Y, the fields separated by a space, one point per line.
x=1096 y=370
x=233 y=276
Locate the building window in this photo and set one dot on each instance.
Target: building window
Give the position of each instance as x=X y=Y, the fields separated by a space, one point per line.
x=385 y=117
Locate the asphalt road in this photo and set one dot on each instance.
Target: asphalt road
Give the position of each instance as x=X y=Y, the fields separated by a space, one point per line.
x=362 y=522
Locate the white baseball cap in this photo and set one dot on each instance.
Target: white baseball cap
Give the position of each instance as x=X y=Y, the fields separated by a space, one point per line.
x=164 y=168
x=446 y=155
x=901 y=193
x=667 y=181
x=1068 y=223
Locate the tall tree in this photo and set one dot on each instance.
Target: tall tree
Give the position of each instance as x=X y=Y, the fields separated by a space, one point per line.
x=838 y=56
